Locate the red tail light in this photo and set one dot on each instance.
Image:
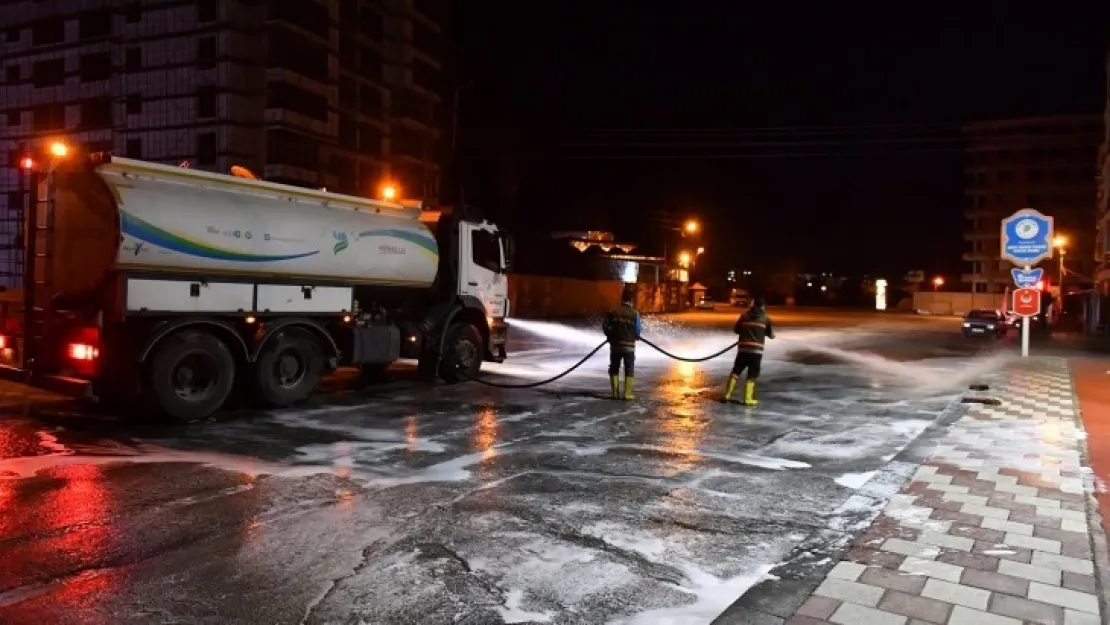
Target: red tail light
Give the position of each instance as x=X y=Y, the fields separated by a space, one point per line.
x=83 y=352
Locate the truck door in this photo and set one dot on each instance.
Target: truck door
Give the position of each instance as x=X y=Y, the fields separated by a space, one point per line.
x=480 y=268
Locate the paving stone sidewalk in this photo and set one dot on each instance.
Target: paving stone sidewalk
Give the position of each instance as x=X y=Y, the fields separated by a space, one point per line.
x=992 y=530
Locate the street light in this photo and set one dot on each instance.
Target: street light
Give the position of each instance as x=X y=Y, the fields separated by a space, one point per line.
x=684 y=259
x=937 y=283
x=59 y=149
x=389 y=192
x=701 y=250
x=1060 y=243
x=691 y=226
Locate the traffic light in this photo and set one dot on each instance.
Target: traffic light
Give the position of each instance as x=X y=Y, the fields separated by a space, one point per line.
x=27 y=163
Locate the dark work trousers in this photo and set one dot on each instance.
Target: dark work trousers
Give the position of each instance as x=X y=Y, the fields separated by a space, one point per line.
x=627 y=355
x=752 y=361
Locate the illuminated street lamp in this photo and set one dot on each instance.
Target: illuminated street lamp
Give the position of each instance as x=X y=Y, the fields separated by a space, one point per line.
x=389 y=192
x=691 y=226
x=59 y=149
x=684 y=259
x=937 y=283
x=701 y=250
x=1060 y=242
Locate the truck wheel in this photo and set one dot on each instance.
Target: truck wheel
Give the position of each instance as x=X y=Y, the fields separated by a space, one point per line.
x=191 y=375
x=463 y=356
x=288 y=369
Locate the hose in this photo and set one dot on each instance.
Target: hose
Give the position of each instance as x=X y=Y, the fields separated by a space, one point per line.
x=541 y=382
x=583 y=361
x=670 y=355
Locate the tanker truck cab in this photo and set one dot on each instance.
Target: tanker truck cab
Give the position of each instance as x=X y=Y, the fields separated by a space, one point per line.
x=177 y=286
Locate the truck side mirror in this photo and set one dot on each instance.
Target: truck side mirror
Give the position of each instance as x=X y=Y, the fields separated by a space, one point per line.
x=508 y=249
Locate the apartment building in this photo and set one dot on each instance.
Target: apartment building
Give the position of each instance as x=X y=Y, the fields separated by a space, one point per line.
x=341 y=94
x=1046 y=163
x=1102 y=224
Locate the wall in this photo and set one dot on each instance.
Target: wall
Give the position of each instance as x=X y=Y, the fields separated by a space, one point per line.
x=945 y=303
x=538 y=297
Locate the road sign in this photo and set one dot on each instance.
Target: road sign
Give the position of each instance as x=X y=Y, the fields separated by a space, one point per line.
x=1026 y=277
x=1027 y=302
x=1026 y=237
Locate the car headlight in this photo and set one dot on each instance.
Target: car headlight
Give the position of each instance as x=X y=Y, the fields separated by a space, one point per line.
x=990 y=326
x=967 y=325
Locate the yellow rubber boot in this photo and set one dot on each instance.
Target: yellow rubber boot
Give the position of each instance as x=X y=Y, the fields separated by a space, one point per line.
x=628 y=387
x=730 y=387
x=749 y=393
x=615 y=385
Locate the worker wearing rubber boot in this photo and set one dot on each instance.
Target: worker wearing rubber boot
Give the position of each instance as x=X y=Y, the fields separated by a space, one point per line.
x=622 y=326
x=754 y=328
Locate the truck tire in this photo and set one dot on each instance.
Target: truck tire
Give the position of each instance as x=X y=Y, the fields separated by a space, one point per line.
x=463 y=353
x=191 y=375
x=289 y=368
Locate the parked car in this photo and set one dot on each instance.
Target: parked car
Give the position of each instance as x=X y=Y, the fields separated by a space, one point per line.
x=985 y=323
x=706 y=303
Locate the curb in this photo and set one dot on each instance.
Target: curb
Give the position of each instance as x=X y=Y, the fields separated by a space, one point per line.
x=787 y=586
x=1099 y=545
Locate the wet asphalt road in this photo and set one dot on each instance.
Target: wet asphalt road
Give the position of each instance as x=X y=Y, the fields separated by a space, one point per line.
x=399 y=503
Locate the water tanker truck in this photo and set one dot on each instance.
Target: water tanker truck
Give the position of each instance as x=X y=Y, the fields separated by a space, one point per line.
x=178 y=286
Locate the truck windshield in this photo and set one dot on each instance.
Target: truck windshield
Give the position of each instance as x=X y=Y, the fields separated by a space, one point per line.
x=486 y=250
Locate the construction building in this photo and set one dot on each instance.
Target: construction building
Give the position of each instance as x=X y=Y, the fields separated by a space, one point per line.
x=339 y=94
x=1045 y=163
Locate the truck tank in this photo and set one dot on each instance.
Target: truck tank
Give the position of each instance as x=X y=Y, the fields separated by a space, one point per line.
x=134 y=216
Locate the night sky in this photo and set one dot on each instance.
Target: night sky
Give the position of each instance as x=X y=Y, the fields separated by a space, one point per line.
x=802 y=133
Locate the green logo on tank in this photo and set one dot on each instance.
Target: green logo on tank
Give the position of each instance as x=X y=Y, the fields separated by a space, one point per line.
x=340 y=242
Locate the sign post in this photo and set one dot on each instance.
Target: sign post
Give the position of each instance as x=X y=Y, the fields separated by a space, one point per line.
x=1026 y=241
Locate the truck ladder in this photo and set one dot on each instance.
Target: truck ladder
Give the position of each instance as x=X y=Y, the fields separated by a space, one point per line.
x=38 y=281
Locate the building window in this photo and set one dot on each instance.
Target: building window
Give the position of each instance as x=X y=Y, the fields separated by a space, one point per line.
x=308 y=15
x=48 y=117
x=134 y=148
x=207 y=10
x=96 y=114
x=206 y=148
x=133 y=13
x=371 y=24
x=134 y=58
x=95 y=67
x=94 y=24
x=369 y=138
x=297 y=53
x=425 y=76
x=370 y=63
x=48 y=73
x=48 y=31
x=282 y=95
x=288 y=148
x=14 y=117
x=134 y=104
x=206 y=52
x=207 y=102
x=371 y=101
x=348 y=93
x=348 y=133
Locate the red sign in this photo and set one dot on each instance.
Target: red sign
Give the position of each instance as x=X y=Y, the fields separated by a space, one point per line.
x=1027 y=302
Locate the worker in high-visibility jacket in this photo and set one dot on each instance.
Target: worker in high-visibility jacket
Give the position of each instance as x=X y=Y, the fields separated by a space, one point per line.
x=622 y=326
x=754 y=328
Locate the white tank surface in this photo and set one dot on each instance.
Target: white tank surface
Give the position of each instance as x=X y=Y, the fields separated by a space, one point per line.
x=175 y=220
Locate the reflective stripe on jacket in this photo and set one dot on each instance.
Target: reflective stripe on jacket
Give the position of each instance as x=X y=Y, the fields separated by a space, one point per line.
x=754 y=328
x=622 y=326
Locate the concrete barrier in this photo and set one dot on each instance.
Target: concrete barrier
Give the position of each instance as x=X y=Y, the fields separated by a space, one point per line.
x=545 y=297
x=950 y=303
